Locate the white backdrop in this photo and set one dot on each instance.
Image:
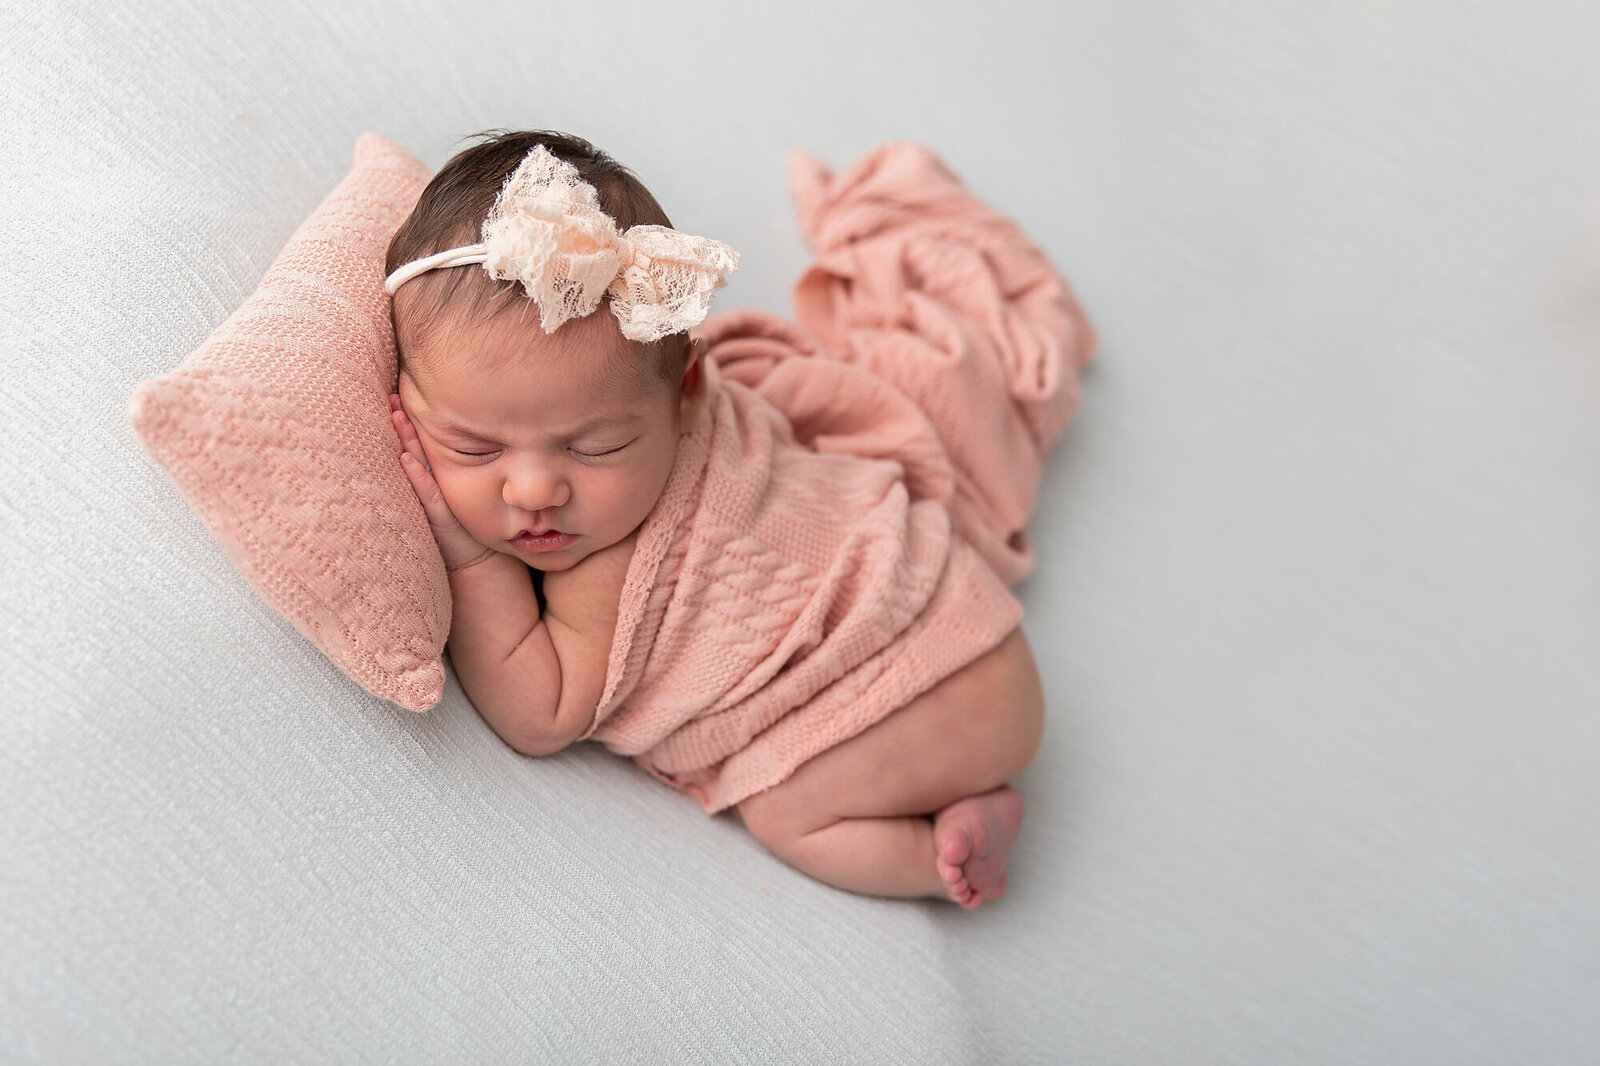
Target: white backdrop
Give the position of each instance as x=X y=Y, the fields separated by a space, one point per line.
x=1318 y=600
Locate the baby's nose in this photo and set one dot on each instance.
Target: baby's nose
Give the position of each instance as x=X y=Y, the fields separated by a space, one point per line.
x=535 y=489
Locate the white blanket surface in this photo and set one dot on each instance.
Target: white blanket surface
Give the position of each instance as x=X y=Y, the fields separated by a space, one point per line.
x=1317 y=600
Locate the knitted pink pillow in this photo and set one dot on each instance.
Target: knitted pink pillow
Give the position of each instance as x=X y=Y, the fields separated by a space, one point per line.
x=276 y=430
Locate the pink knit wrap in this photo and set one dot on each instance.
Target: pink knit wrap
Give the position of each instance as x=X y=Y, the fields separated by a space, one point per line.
x=837 y=533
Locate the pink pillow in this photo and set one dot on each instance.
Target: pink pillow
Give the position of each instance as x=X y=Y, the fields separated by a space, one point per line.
x=276 y=430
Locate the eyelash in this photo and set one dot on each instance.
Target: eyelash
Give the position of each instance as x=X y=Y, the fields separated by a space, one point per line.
x=581 y=455
x=602 y=455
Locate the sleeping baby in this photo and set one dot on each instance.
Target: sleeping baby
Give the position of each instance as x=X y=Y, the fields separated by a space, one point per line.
x=767 y=560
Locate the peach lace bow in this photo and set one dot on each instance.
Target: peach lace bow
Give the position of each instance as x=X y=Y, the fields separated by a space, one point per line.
x=547 y=231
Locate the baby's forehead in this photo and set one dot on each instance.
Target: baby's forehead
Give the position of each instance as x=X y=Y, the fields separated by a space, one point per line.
x=515 y=332
x=590 y=349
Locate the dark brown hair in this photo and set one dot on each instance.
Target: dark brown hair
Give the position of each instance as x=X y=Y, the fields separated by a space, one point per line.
x=450 y=214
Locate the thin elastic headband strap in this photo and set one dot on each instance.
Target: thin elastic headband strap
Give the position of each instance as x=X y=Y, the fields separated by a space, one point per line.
x=465 y=256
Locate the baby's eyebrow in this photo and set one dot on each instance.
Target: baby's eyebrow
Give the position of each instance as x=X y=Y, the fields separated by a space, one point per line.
x=605 y=422
x=602 y=421
x=448 y=426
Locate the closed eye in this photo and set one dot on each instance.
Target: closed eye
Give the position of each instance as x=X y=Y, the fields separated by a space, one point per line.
x=601 y=454
x=475 y=455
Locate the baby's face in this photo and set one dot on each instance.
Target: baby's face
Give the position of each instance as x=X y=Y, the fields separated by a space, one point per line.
x=547 y=448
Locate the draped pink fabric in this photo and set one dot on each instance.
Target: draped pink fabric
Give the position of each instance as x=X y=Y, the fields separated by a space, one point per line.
x=839 y=531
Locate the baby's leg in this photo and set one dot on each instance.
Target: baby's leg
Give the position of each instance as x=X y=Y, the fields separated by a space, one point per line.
x=857 y=816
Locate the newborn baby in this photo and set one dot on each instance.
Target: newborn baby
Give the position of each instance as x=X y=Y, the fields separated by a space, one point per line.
x=749 y=559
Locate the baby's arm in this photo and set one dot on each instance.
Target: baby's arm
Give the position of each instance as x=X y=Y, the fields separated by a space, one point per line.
x=509 y=662
x=505 y=653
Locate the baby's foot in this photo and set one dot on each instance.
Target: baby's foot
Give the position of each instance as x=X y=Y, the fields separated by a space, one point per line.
x=972 y=839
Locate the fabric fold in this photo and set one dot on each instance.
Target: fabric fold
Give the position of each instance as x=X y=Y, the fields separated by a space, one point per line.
x=838 y=532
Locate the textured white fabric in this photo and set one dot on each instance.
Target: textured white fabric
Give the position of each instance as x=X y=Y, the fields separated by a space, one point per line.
x=1316 y=598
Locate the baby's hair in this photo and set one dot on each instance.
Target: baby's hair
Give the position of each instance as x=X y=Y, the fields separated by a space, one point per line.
x=450 y=214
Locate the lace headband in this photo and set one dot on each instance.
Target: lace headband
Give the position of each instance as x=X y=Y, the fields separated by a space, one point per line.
x=547 y=231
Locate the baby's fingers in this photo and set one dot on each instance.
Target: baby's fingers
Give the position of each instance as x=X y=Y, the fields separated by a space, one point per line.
x=455 y=543
x=408 y=437
x=427 y=490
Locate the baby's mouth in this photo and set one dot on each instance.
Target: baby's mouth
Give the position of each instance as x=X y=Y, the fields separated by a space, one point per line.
x=549 y=540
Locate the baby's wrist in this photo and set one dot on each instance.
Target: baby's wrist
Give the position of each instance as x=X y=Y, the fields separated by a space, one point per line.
x=490 y=574
x=450 y=568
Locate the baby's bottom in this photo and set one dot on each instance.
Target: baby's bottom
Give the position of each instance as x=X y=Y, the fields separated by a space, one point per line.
x=858 y=815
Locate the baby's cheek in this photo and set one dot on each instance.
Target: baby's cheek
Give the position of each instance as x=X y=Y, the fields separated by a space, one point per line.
x=464 y=497
x=631 y=503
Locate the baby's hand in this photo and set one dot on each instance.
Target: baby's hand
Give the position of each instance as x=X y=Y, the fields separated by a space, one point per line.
x=457 y=546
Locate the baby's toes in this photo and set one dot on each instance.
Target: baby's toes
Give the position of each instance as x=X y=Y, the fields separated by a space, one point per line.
x=956 y=886
x=955 y=847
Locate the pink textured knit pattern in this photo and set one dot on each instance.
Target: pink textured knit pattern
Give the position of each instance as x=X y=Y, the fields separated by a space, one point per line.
x=935 y=292
x=818 y=558
x=276 y=430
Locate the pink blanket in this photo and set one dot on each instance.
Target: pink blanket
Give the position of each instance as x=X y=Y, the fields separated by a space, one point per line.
x=839 y=531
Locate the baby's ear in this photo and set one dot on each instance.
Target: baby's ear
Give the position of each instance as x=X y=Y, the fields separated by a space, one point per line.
x=692 y=387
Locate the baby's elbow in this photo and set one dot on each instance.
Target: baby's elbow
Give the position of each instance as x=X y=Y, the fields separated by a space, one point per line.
x=530 y=729
x=539 y=746
x=536 y=741
x=540 y=742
